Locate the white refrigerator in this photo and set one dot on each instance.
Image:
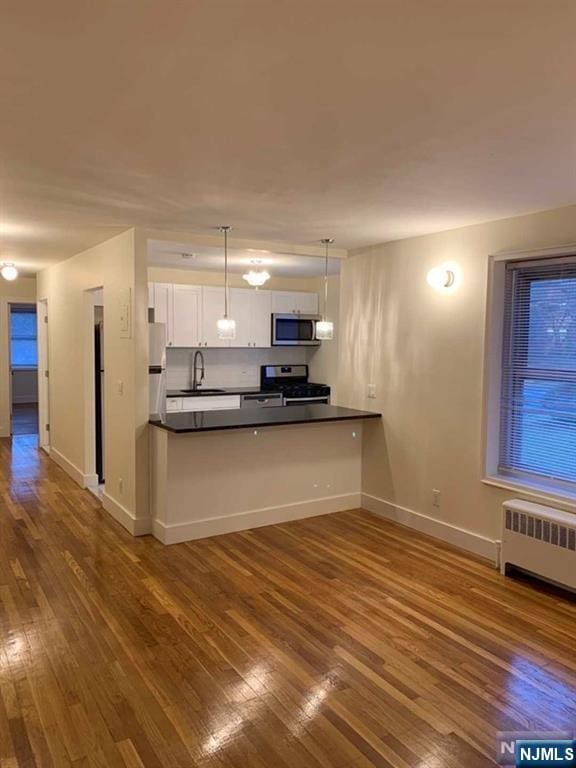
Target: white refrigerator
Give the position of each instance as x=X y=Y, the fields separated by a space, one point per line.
x=157 y=369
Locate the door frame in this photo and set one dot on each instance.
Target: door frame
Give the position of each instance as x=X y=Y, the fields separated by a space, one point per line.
x=5 y=376
x=43 y=375
x=92 y=296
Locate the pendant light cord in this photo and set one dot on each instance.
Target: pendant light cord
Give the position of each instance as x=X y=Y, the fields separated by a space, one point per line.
x=327 y=242
x=225 y=230
x=226 y=273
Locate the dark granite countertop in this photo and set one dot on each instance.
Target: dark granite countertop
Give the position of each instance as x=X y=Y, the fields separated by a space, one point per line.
x=246 y=418
x=223 y=391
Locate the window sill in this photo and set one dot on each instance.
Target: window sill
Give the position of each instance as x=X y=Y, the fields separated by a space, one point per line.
x=541 y=493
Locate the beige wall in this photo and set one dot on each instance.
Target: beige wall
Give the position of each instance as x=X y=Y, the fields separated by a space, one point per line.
x=21 y=289
x=119 y=266
x=424 y=351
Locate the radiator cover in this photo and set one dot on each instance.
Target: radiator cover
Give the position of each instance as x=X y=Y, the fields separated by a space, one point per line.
x=540 y=540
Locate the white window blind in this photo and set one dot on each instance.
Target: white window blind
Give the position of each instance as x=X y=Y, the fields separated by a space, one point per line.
x=538 y=399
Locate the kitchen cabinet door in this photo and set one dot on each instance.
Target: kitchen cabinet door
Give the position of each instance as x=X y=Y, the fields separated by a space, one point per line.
x=261 y=319
x=241 y=300
x=212 y=311
x=294 y=302
x=307 y=303
x=186 y=316
x=163 y=308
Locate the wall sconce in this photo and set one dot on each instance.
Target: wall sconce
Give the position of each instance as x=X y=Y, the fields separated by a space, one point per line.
x=445 y=278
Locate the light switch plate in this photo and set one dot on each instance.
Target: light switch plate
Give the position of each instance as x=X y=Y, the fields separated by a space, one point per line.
x=372 y=390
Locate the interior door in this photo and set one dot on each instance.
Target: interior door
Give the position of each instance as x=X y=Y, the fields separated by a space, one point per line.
x=241 y=300
x=261 y=318
x=212 y=311
x=186 y=316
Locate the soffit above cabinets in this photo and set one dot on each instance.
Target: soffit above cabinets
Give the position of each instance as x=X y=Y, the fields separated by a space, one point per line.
x=203 y=257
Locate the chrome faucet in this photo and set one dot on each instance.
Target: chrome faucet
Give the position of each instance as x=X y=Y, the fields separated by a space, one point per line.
x=197 y=382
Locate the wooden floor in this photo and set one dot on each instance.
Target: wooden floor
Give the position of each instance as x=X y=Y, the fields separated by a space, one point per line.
x=340 y=641
x=25 y=419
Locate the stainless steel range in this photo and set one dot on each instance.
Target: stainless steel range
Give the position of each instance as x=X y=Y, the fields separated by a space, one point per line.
x=292 y=381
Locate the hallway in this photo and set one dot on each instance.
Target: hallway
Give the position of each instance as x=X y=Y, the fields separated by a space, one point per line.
x=334 y=642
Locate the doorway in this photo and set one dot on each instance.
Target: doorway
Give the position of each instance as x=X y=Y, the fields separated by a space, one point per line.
x=23 y=369
x=99 y=391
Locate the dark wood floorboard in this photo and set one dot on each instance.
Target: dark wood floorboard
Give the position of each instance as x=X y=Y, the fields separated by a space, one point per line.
x=335 y=642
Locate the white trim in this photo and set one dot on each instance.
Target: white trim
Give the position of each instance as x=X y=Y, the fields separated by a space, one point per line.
x=137 y=526
x=452 y=534
x=541 y=494
x=545 y=253
x=71 y=469
x=253 y=518
x=84 y=480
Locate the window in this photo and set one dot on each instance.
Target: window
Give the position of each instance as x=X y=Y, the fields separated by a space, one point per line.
x=23 y=343
x=538 y=396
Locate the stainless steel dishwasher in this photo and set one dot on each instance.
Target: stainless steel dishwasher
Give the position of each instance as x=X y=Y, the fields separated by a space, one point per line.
x=262 y=400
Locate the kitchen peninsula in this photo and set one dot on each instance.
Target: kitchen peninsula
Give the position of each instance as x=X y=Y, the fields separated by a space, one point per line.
x=215 y=472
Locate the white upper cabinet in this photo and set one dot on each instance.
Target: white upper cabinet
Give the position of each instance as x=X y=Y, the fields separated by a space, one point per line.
x=294 y=302
x=212 y=311
x=186 y=301
x=261 y=318
x=163 y=308
x=241 y=312
x=190 y=313
x=251 y=310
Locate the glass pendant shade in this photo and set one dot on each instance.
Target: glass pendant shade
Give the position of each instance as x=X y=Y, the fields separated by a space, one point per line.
x=9 y=272
x=226 y=328
x=324 y=330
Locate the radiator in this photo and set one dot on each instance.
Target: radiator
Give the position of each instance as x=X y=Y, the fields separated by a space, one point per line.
x=540 y=540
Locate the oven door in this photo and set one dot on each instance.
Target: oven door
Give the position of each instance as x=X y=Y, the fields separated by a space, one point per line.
x=294 y=330
x=323 y=400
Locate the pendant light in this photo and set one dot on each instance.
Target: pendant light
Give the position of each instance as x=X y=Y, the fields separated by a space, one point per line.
x=325 y=327
x=226 y=326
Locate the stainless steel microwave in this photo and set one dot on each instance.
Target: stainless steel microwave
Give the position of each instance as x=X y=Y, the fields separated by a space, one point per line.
x=294 y=330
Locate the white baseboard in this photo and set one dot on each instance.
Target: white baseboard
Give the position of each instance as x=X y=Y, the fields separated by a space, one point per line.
x=254 y=518
x=137 y=526
x=91 y=481
x=71 y=469
x=459 y=537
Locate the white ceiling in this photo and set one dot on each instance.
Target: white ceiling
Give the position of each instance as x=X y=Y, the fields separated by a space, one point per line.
x=240 y=260
x=365 y=120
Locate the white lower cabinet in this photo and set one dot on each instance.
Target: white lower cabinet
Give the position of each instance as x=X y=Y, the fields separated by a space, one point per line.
x=211 y=403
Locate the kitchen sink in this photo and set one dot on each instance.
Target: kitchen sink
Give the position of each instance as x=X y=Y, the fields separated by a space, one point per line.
x=200 y=391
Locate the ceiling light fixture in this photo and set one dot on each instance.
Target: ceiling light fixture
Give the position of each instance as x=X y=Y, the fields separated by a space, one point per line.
x=256 y=277
x=225 y=325
x=325 y=327
x=9 y=271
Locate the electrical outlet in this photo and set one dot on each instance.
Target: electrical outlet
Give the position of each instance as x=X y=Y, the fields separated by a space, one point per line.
x=372 y=390
x=436 y=498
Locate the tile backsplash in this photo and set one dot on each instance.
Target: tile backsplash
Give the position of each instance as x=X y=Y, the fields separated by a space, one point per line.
x=229 y=367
